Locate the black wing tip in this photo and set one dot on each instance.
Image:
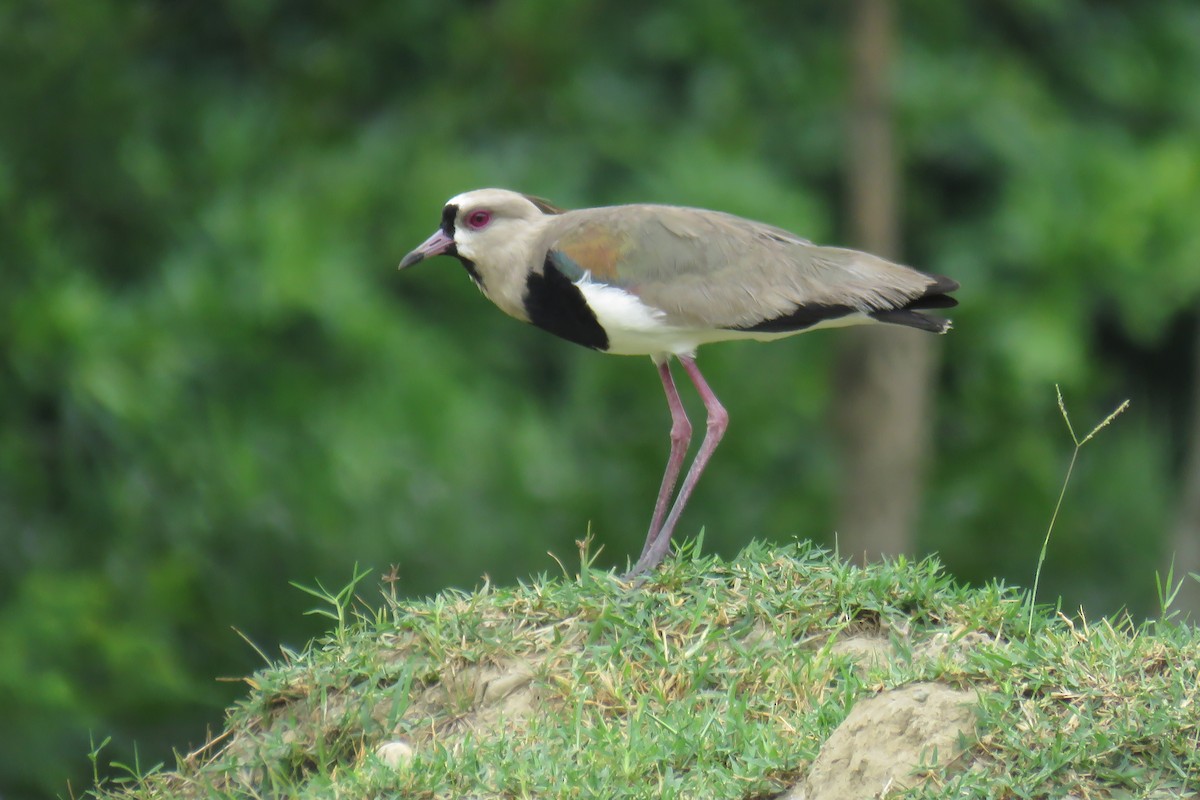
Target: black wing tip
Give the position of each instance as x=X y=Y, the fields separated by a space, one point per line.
x=937 y=295
x=941 y=284
x=913 y=319
x=932 y=301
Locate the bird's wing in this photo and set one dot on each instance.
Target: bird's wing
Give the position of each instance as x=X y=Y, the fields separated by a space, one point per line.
x=709 y=269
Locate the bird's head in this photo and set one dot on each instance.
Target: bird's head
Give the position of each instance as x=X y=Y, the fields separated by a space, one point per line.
x=485 y=226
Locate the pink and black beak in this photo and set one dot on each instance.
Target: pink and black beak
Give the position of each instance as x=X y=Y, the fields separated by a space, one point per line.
x=435 y=245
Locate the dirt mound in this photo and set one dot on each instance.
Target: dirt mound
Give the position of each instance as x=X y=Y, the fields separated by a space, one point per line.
x=886 y=741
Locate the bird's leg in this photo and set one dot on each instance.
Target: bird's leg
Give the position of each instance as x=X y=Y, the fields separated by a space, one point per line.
x=718 y=420
x=681 y=436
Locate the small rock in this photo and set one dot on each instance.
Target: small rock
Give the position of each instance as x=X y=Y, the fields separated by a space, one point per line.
x=395 y=754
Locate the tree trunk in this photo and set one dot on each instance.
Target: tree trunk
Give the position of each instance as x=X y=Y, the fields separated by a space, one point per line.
x=883 y=373
x=1185 y=541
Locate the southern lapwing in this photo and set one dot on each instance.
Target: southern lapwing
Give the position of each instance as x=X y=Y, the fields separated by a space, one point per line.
x=659 y=281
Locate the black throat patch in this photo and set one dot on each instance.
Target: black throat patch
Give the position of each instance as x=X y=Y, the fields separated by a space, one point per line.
x=468 y=265
x=556 y=305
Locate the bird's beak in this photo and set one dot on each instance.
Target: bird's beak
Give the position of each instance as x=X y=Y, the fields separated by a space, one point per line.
x=433 y=246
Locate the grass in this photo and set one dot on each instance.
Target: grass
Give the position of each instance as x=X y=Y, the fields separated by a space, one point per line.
x=716 y=679
x=1079 y=443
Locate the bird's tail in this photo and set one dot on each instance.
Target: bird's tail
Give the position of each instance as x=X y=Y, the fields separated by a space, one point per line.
x=937 y=295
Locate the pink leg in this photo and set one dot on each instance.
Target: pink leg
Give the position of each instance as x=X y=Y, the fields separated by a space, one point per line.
x=681 y=436
x=718 y=421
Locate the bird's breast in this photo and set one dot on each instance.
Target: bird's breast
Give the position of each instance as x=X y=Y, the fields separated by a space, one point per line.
x=556 y=305
x=602 y=316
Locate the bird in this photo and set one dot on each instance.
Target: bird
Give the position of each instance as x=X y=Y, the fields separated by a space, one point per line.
x=662 y=280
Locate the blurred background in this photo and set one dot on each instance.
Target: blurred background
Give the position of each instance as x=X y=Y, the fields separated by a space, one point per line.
x=213 y=381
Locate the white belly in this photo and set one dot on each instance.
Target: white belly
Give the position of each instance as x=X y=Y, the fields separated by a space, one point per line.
x=636 y=329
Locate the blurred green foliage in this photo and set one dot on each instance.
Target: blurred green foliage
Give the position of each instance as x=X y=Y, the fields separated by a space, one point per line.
x=212 y=381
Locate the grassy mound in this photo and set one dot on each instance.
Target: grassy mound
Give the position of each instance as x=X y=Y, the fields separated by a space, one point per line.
x=781 y=673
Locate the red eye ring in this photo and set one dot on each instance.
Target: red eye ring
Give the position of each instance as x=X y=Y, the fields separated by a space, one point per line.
x=479 y=219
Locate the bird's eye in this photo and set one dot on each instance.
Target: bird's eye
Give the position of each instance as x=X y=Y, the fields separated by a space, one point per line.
x=479 y=219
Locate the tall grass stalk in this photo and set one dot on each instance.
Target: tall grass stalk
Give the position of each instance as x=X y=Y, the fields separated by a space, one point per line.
x=1079 y=443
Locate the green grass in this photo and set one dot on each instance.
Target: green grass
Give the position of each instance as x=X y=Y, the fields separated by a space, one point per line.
x=715 y=679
